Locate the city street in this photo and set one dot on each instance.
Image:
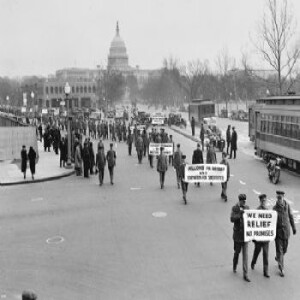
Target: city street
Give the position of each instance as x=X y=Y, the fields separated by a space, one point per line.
x=72 y=239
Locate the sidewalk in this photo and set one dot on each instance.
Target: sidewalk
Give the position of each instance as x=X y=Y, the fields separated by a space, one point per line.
x=47 y=168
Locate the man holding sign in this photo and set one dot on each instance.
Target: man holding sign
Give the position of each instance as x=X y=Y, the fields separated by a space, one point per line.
x=238 y=235
x=261 y=245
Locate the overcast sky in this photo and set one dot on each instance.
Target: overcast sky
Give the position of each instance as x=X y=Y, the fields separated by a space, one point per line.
x=40 y=36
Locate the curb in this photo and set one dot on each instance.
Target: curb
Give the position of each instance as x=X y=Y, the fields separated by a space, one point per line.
x=186 y=135
x=38 y=180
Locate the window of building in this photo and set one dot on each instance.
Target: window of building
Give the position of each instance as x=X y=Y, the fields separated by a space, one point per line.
x=90 y=89
x=73 y=90
x=56 y=90
x=94 y=89
x=81 y=89
x=47 y=90
x=60 y=90
x=77 y=89
x=51 y=90
x=85 y=89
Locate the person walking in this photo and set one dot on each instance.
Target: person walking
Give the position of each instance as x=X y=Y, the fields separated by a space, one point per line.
x=162 y=167
x=171 y=142
x=111 y=162
x=78 y=160
x=32 y=161
x=238 y=235
x=177 y=161
x=139 y=147
x=184 y=184
x=233 y=142
x=211 y=157
x=24 y=159
x=100 y=164
x=225 y=162
x=193 y=126
x=197 y=159
x=228 y=138
x=129 y=142
x=261 y=245
x=86 y=159
x=285 y=219
x=92 y=157
x=63 y=149
x=202 y=132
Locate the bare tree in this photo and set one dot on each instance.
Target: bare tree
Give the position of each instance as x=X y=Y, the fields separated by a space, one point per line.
x=193 y=77
x=275 y=43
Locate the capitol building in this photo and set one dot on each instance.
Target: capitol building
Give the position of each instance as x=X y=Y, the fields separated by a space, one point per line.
x=85 y=83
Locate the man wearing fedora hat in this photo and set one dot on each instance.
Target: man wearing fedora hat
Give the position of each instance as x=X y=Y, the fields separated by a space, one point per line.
x=285 y=219
x=238 y=235
x=184 y=184
x=261 y=245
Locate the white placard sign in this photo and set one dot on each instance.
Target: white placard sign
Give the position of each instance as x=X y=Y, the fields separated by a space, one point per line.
x=44 y=111
x=23 y=109
x=158 y=120
x=259 y=225
x=154 y=148
x=205 y=173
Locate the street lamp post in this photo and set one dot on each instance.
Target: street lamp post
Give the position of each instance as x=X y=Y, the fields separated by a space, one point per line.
x=67 y=93
x=32 y=103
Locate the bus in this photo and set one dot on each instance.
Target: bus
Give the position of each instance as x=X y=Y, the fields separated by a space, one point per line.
x=200 y=109
x=274 y=127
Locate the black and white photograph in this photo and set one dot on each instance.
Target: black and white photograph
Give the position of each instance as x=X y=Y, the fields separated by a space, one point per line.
x=149 y=149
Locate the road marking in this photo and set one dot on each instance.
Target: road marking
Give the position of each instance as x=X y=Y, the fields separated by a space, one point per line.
x=295 y=211
x=242 y=182
x=3 y=296
x=37 y=199
x=135 y=188
x=256 y=192
x=55 y=240
x=231 y=175
x=159 y=214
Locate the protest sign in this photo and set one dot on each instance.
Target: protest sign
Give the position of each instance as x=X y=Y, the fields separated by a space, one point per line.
x=157 y=121
x=205 y=173
x=154 y=148
x=260 y=225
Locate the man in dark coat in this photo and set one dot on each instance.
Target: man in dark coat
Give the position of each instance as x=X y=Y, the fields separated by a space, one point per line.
x=184 y=184
x=193 y=126
x=162 y=167
x=92 y=157
x=32 y=161
x=63 y=148
x=129 y=142
x=238 y=235
x=177 y=160
x=228 y=138
x=285 y=219
x=233 y=143
x=86 y=160
x=100 y=163
x=139 y=144
x=197 y=158
x=24 y=159
x=111 y=162
x=261 y=245
x=202 y=133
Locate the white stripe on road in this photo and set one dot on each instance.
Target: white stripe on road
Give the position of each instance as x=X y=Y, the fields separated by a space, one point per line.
x=242 y=182
x=295 y=211
x=231 y=175
x=256 y=192
x=135 y=188
x=37 y=199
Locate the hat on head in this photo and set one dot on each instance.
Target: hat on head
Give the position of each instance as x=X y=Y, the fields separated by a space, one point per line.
x=183 y=156
x=161 y=148
x=262 y=196
x=280 y=192
x=233 y=127
x=178 y=145
x=198 y=145
x=111 y=144
x=242 y=197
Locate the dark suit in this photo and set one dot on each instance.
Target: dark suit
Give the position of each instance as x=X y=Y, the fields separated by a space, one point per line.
x=197 y=159
x=257 y=248
x=238 y=237
x=284 y=221
x=233 y=144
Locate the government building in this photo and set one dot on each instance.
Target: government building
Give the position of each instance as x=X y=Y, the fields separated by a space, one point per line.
x=86 y=83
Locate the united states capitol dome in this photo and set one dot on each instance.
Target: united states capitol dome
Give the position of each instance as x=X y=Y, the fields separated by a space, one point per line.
x=117 y=57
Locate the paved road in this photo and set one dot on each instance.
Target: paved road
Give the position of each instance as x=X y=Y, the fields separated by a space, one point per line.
x=71 y=239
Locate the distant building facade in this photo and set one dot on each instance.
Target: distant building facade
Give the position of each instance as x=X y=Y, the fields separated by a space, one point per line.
x=85 y=90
